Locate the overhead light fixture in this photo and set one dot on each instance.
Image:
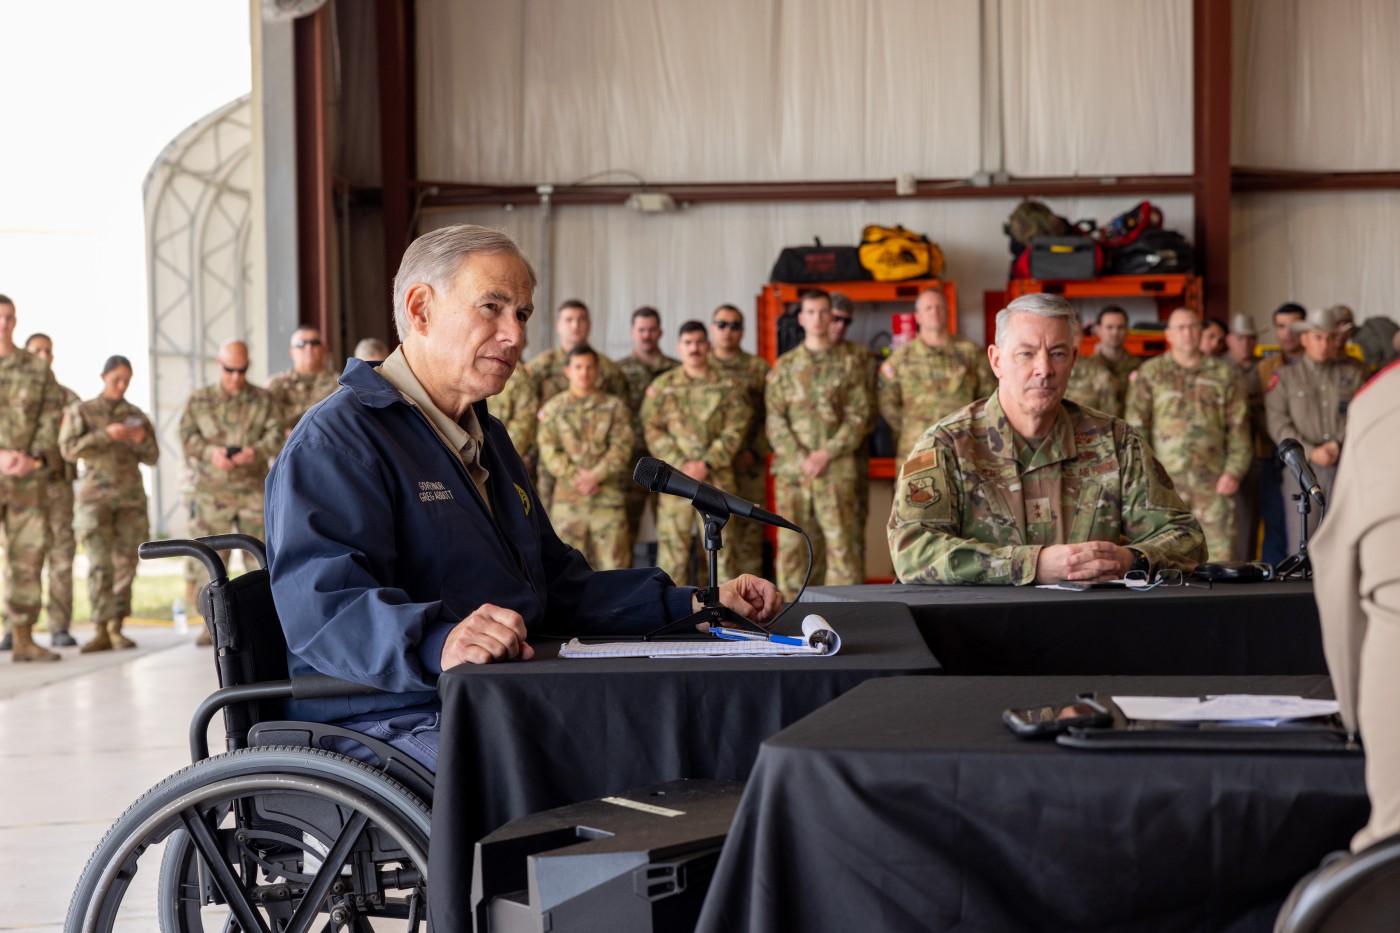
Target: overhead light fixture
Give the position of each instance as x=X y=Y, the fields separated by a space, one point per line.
x=651 y=202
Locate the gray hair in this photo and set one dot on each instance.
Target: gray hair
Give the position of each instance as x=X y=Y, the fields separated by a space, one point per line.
x=434 y=258
x=1041 y=304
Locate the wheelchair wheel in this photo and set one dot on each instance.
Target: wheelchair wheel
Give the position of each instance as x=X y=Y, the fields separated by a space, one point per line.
x=264 y=839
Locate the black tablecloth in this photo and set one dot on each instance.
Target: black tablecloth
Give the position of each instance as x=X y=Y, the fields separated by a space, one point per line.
x=522 y=737
x=1259 y=628
x=906 y=805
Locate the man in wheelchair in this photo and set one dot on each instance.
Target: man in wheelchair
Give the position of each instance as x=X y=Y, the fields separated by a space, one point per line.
x=404 y=535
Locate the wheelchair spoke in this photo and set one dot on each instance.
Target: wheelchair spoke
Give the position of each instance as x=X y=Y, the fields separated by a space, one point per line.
x=329 y=871
x=224 y=878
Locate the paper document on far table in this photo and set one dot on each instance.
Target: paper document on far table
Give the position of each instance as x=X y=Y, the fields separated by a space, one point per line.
x=1224 y=708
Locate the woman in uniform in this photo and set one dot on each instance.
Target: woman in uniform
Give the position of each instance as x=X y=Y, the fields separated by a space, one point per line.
x=110 y=437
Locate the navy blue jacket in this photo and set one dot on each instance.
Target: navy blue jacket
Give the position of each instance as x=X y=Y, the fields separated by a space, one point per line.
x=378 y=544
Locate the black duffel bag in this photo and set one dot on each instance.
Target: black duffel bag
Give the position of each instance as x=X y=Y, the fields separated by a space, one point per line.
x=1154 y=252
x=818 y=263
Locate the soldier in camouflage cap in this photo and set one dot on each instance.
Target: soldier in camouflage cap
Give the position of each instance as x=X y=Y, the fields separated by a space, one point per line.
x=641 y=366
x=1024 y=487
x=229 y=433
x=842 y=316
x=111 y=437
x=58 y=498
x=695 y=418
x=1193 y=409
x=818 y=410
x=931 y=376
x=306 y=383
x=518 y=407
x=585 y=439
x=29 y=416
x=743 y=539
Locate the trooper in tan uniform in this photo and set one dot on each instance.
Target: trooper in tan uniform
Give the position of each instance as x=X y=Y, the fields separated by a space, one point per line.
x=59 y=498
x=1308 y=402
x=307 y=382
x=932 y=376
x=744 y=539
x=29 y=416
x=695 y=418
x=585 y=441
x=1273 y=505
x=1239 y=347
x=1357 y=584
x=641 y=366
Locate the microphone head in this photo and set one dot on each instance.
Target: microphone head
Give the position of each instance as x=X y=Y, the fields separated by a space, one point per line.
x=651 y=474
x=1287 y=446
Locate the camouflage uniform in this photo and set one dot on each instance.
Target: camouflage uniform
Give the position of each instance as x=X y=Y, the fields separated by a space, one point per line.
x=220 y=500
x=518 y=408
x=921 y=385
x=294 y=393
x=973 y=504
x=1196 y=420
x=111 y=499
x=695 y=419
x=745 y=539
x=58 y=499
x=593 y=433
x=30 y=409
x=549 y=376
x=863 y=357
x=1093 y=385
x=1308 y=401
x=1122 y=369
x=639 y=374
x=817 y=400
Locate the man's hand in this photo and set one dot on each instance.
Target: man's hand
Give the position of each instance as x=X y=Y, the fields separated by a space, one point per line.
x=586 y=483
x=15 y=463
x=752 y=597
x=1227 y=485
x=492 y=633
x=1089 y=561
x=696 y=470
x=219 y=457
x=117 y=431
x=815 y=463
x=244 y=457
x=1325 y=454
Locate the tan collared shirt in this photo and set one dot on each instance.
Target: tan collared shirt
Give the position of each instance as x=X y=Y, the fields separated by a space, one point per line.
x=463 y=438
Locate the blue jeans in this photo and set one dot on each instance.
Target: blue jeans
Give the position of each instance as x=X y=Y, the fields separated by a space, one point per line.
x=414 y=732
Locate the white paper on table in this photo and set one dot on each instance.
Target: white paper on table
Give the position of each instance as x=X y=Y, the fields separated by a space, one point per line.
x=1230 y=707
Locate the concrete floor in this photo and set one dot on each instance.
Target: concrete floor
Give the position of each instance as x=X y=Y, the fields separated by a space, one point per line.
x=80 y=740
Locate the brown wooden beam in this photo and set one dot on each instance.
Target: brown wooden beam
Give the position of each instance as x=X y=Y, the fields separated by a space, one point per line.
x=1210 y=26
x=398 y=131
x=1254 y=179
x=313 y=173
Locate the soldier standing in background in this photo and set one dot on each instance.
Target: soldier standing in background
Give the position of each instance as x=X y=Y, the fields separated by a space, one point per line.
x=744 y=539
x=372 y=349
x=641 y=366
x=229 y=433
x=112 y=437
x=1307 y=402
x=932 y=376
x=1213 y=334
x=1272 y=503
x=585 y=439
x=842 y=316
x=58 y=498
x=1239 y=345
x=29 y=416
x=696 y=419
x=306 y=383
x=518 y=408
x=1193 y=410
x=818 y=408
x=1087 y=384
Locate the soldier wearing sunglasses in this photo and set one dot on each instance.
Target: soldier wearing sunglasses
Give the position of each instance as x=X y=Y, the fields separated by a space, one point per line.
x=307 y=382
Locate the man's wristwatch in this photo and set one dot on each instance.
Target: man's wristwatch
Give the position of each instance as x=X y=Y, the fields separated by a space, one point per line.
x=40 y=461
x=1140 y=562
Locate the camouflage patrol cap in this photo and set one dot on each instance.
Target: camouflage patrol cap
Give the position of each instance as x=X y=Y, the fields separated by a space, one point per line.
x=1243 y=325
x=1323 y=319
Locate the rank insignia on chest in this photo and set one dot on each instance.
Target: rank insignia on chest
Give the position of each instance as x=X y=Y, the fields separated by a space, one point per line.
x=524 y=498
x=1038 y=511
x=922 y=493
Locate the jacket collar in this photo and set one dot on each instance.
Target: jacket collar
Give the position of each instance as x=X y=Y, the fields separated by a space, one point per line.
x=374 y=391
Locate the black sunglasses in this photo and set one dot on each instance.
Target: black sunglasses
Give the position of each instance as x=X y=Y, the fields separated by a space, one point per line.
x=299 y=344
x=231 y=370
x=729 y=325
x=840 y=319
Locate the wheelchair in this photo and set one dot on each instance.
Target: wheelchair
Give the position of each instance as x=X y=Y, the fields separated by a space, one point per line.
x=281 y=832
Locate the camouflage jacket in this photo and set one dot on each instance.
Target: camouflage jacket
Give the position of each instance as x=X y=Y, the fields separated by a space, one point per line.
x=213 y=418
x=697 y=419
x=591 y=433
x=61 y=469
x=868 y=361
x=639 y=374
x=111 y=473
x=293 y=394
x=973 y=504
x=816 y=401
x=1308 y=401
x=751 y=372
x=921 y=385
x=1196 y=419
x=31 y=404
x=549 y=374
x=1093 y=385
x=518 y=407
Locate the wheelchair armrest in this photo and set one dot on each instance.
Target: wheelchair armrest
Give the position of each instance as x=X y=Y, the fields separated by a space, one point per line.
x=307 y=686
x=183 y=547
x=315 y=686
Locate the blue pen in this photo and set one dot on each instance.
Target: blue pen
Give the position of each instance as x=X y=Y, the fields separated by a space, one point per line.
x=738 y=635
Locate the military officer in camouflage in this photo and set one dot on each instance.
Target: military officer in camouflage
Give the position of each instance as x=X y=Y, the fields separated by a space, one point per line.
x=842 y=316
x=58 y=498
x=1307 y=401
x=111 y=437
x=1024 y=487
x=518 y=407
x=229 y=433
x=932 y=376
x=696 y=419
x=306 y=383
x=818 y=410
x=641 y=366
x=744 y=539
x=29 y=415
x=1193 y=409
x=585 y=440
x=1100 y=380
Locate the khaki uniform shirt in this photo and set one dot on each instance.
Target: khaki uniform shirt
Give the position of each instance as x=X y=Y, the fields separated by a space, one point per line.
x=586 y=433
x=920 y=385
x=975 y=504
x=1308 y=401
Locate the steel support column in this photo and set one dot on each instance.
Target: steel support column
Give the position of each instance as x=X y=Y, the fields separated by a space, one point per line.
x=1210 y=27
x=313 y=175
x=398 y=128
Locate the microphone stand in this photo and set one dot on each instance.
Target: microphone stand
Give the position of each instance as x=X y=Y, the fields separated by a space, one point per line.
x=1299 y=565
x=715 y=514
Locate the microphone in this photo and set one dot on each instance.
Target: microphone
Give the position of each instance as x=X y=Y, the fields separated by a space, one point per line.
x=1291 y=453
x=656 y=476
